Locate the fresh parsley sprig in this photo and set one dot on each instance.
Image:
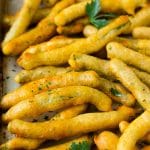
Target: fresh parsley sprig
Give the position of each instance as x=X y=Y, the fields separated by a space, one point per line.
x=98 y=20
x=80 y=146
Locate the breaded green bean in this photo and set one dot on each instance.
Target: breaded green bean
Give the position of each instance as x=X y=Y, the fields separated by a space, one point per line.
x=143 y=76
x=79 y=61
x=123 y=126
x=50 y=45
x=21 y=143
x=57 y=99
x=71 y=13
x=88 y=78
x=129 y=79
x=24 y=143
x=128 y=6
x=116 y=50
x=89 y=30
x=71 y=29
x=43 y=31
x=141 y=32
x=106 y=140
x=141 y=18
x=88 y=45
x=78 y=10
x=102 y=67
x=41 y=13
x=66 y=128
x=68 y=145
x=23 y=20
x=41 y=72
x=139 y=45
x=123 y=96
x=135 y=131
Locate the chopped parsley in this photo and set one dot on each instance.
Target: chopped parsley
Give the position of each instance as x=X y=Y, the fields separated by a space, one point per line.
x=80 y=146
x=115 y=92
x=98 y=20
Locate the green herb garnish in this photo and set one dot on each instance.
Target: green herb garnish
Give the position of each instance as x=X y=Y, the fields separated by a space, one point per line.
x=80 y=146
x=115 y=92
x=98 y=20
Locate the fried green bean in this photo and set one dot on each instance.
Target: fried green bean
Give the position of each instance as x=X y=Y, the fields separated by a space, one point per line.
x=24 y=143
x=87 y=45
x=56 y=99
x=81 y=124
x=135 y=131
x=48 y=71
x=116 y=50
x=129 y=79
x=88 y=78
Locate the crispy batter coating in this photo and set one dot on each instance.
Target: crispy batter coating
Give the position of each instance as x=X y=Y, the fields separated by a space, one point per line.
x=81 y=124
x=106 y=140
x=27 y=143
x=131 y=82
x=116 y=50
x=23 y=20
x=135 y=131
x=87 y=45
x=57 y=99
x=88 y=78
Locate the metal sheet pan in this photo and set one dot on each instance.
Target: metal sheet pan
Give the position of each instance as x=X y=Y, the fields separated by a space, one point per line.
x=9 y=68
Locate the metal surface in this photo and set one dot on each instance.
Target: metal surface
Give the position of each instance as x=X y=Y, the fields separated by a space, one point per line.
x=9 y=68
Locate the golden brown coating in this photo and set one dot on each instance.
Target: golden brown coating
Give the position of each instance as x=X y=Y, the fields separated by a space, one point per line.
x=41 y=72
x=129 y=79
x=79 y=10
x=110 y=88
x=78 y=61
x=71 y=29
x=141 y=32
x=71 y=13
x=81 y=124
x=89 y=30
x=141 y=18
x=57 y=99
x=41 y=13
x=116 y=50
x=143 y=76
x=106 y=140
x=102 y=67
x=22 y=143
x=88 y=45
x=54 y=43
x=23 y=20
x=26 y=143
x=88 y=78
x=135 y=131
x=67 y=145
x=43 y=31
x=139 y=45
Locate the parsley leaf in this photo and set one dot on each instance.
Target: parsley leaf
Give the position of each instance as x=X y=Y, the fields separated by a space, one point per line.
x=115 y=92
x=93 y=9
x=80 y=146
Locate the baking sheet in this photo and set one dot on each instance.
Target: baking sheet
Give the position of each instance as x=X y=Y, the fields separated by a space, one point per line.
x=9 y=68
